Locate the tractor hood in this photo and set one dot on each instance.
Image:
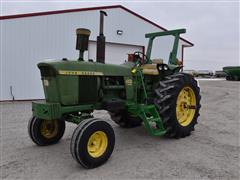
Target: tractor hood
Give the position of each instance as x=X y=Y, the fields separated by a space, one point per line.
x=84 y=68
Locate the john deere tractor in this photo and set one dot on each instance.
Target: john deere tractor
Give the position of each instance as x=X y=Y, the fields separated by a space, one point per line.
x=142 y=91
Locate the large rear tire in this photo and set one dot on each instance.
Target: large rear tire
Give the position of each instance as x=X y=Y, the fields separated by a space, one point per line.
x=125 y=119
x=178 y=103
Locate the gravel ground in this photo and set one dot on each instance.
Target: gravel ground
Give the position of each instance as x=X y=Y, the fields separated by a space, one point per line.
x=211 y=152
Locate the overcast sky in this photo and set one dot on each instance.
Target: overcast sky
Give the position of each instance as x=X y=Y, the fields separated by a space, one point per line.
x=213 y=26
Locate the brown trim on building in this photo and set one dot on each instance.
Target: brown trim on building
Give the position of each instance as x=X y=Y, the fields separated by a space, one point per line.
x=120 y=43
x=87 y=9
x=20 y=100
x=143 y=49
x=183 y=46
x=147 y=20
x=57 y=12
x=182 y=56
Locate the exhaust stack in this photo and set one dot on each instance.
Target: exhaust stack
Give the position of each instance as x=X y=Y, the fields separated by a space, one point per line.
x=101 y=40
x=82 y=41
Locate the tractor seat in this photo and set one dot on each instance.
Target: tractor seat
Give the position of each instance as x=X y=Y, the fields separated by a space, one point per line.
x=157 y=61
x=151 y=69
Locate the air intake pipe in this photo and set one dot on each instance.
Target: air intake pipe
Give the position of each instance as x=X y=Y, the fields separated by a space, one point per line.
x=101 y=40
x=82 y=41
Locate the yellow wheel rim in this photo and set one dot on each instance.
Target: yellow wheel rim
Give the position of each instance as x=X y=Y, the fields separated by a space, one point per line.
x=186 y=106
x=97 y=144
x=49 y=128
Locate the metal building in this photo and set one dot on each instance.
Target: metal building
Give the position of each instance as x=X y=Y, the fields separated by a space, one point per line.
x=27 y=39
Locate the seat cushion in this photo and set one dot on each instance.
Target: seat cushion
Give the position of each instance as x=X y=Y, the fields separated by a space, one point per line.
x=157 y=61
x=149 y=66
x=150 y=69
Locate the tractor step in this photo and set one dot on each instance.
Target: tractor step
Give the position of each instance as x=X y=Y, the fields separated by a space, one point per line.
x=151 y=119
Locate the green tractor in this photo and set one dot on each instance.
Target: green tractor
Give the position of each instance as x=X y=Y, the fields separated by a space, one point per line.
x=232 y=73
x=144 y=91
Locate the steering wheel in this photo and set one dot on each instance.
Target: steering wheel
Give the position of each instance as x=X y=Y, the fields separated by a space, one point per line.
x=145 y=58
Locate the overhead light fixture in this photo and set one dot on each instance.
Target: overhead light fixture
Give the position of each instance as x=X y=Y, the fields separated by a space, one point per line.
x=119 y=32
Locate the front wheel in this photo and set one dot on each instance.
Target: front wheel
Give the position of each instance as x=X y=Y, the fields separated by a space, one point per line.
x=45 y=132
x=92 y=143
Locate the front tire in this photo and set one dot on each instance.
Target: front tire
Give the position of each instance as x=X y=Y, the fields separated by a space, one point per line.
x=92 y=143
x=178 y=103
x=45 y=132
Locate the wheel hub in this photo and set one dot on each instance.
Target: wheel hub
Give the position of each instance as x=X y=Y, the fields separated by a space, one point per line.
x=49 y=128
x=97 y=144
x=186 y=106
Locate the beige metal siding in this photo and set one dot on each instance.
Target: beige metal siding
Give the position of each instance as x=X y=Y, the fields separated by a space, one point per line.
x=27 y=41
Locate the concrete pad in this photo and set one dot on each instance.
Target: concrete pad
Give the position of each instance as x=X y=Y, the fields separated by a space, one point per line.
x=211 y=152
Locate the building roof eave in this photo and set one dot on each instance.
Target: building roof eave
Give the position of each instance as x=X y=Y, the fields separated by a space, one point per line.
x=190 y=44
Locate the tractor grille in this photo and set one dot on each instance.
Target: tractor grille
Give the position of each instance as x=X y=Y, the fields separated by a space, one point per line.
x=88 y=90
x=47 y=71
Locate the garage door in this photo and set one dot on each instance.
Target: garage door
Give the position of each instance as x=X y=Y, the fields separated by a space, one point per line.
x=115 y=53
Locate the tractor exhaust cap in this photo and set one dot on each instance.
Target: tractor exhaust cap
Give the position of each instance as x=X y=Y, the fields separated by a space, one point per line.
x=82 y=41
x=101 y=40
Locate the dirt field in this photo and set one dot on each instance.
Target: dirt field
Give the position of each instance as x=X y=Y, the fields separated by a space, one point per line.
x=211 y=152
